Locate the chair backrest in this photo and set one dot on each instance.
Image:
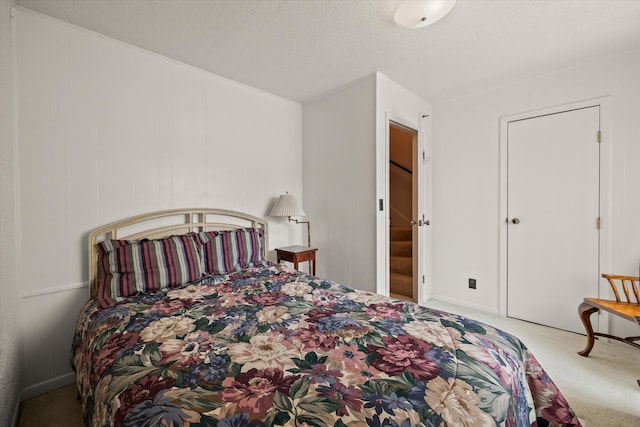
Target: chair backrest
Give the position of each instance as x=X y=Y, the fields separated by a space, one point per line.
x=628 y=285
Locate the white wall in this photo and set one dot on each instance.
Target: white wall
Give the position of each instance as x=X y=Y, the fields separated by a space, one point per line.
x=106 y=131
x=345 y=164
x=394 y=102
x=9 y=339
x=339 y=182
x=466 y=173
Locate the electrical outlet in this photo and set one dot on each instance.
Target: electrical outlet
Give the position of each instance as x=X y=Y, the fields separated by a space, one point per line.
x=472 y=283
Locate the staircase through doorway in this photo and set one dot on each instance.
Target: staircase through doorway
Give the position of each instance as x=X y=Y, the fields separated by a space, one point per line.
x=401 y=263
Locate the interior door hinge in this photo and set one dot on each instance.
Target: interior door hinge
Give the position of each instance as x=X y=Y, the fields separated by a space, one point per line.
x=599 y=137
x=598 y=223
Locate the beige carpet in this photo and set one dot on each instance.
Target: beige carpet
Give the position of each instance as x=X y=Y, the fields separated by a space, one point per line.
x=601 y=388
x=59 y=408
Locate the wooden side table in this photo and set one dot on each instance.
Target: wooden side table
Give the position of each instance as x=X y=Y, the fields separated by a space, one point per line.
x=297 y=254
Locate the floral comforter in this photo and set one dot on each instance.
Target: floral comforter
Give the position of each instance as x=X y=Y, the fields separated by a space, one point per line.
x=274 y=346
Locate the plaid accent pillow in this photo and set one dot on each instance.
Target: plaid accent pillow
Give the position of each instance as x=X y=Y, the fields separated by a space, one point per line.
x=128 y=267
x=226 y=251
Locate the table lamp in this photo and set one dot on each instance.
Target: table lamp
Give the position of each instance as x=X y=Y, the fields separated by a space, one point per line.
x=287 y=205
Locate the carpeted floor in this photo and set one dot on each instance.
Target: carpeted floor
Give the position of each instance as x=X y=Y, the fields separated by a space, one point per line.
x=601 y=388
x=58 y=408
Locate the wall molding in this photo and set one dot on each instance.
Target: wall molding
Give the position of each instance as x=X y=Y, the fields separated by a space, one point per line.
x=461 y=303
x=47 y=386
x=54 y=290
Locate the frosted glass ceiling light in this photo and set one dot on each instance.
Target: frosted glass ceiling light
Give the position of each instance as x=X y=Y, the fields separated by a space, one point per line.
x=420 y=13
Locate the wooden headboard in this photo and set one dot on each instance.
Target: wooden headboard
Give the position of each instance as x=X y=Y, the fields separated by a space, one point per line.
x=159 y=224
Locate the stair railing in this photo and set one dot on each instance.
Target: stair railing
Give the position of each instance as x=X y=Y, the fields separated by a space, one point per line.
x=397 y=213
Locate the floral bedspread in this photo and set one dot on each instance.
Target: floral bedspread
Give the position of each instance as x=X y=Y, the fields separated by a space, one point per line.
x=274 y=346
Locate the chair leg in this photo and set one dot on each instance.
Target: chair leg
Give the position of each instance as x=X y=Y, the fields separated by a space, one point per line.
x=585 y=311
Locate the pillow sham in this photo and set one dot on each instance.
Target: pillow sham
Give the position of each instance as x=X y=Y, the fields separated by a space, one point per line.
x=226 y=251
x=129 y=267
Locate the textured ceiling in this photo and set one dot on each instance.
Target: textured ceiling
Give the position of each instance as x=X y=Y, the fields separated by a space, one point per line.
x=301 y=49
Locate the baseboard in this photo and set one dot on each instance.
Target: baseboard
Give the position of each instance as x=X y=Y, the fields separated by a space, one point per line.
x=480 y=308
x=48 y=385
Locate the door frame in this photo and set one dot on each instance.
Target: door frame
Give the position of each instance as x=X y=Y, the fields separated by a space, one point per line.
x=605 y=194
x=415 y=203
x=424 y=196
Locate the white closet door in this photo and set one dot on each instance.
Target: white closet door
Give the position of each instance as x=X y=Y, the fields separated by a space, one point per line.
x=553 y=210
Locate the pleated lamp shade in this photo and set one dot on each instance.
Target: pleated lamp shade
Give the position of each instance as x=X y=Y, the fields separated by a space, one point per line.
x=287 y=205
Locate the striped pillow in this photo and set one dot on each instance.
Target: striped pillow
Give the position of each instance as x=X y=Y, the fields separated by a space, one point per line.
x=226 y=251
x=128 y=267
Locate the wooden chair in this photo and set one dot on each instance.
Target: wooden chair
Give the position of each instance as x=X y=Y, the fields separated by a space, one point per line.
x=628 y=309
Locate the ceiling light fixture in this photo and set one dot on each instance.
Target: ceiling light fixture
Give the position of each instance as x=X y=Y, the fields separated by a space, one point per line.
x=420 y=13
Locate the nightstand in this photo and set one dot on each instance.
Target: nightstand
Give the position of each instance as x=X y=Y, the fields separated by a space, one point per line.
x=297 y=254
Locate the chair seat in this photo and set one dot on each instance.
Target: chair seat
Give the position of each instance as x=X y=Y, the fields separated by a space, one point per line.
x=627 y=310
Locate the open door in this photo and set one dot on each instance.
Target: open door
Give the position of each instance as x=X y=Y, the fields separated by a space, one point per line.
x=403 y=212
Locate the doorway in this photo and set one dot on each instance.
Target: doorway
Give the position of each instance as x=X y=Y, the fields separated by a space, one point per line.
x=403 y=212
x=552 y=216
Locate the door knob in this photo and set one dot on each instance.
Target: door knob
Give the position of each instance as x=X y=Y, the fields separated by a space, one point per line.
x=515 y=221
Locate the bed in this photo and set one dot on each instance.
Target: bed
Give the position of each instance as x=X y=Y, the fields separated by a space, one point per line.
x=188 y=324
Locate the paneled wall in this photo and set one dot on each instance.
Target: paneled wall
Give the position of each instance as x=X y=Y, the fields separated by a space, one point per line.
x=106 y=131
x=339 y=171
x=345 y=164
x=9 y=338
x=466 y=169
